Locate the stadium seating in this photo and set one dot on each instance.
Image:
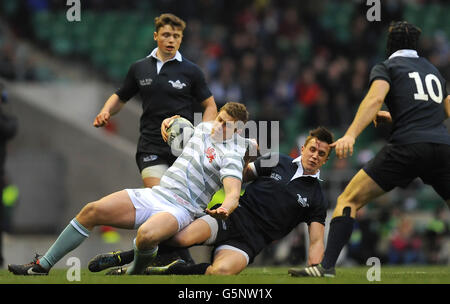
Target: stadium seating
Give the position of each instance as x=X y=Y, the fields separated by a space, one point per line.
x=111 y=41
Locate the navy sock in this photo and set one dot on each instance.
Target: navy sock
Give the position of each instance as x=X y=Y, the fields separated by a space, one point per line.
x=183 y=269
x=127 y=256
x=166 y=254
x=341 y=228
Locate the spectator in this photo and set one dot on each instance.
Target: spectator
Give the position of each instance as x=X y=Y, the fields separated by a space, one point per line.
x=406 y=245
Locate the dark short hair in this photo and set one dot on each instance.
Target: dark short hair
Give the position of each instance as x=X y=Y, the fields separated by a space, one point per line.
x=322 y=134
x=170 y=19
x=402 y=35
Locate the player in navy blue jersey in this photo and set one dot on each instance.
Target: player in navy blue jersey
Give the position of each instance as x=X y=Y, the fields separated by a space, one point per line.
x=280 y=196
x=419 y=146
x=169 y=85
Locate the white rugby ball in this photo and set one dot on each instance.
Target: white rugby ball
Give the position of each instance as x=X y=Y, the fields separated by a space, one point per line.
x=179 y=132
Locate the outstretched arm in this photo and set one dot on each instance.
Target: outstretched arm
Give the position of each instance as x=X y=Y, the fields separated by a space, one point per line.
x=232 y=187
x=367 y=111
x=112 y=106
x=316 y=243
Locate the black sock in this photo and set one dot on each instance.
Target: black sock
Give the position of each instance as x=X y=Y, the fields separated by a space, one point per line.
x=166 y=254
x=341 y=228
x=184 y=269
x=166 y=249
x=126 y=257
x=185 y=255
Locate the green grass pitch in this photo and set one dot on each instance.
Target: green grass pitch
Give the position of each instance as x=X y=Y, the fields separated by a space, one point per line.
x=251 y=275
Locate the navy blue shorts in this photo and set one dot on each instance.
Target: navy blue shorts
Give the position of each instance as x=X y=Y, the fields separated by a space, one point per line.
x=398 y=165
x=144 y=160
x=230 y=234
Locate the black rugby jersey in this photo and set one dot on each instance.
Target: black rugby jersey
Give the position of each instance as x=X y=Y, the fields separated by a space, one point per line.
x=415 y=98
x=174 y=91
x=273 y=205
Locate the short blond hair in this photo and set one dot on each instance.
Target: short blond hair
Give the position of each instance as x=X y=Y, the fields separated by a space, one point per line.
x=236 y=110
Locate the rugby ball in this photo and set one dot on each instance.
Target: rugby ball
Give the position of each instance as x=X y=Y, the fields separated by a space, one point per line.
x=179 y=132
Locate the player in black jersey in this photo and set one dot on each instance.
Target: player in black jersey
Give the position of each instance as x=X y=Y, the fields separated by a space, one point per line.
x=168 y=85
x=282 y=195
x=419 y=146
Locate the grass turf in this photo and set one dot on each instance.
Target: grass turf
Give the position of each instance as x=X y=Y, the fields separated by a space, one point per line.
x=251 y=275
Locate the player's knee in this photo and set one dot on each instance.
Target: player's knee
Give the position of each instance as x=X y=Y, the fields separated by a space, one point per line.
x=219 y=270
x=146 y=238
x=349 y=200
x=88 y=214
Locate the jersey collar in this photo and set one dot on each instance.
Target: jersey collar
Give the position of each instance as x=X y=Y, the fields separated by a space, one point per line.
x=176 y=57
x=405 y=53
x=299 y=172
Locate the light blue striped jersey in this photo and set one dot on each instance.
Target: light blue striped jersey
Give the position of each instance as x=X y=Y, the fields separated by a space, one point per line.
x=198 y=172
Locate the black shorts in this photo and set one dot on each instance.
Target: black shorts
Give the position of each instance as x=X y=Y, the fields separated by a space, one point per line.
x=144 y=160
x=398 y=165
x=229 y=233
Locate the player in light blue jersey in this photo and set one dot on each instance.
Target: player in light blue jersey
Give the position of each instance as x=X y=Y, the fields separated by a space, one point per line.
x=213 y=158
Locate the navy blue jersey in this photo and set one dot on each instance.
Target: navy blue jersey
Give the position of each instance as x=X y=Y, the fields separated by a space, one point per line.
x=273 y=205
x=177 y=88
x=417 y=90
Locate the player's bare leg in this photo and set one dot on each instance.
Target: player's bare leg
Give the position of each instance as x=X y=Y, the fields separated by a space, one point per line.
x=358 y=193
x=227 y=262
x=151 y=176
x=150 y=182
x=361 y=190
x=114 y=210
x=197 y=232
x=156 y=229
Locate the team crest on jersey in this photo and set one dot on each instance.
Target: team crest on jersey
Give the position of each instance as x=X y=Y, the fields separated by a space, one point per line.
x=177 y=84
x=302 y=201
x=210 y=154
x=275 y=176
x=145 y=82
x=150 y=158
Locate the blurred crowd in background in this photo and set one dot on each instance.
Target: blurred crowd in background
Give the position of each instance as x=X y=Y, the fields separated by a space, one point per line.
x=303 y=63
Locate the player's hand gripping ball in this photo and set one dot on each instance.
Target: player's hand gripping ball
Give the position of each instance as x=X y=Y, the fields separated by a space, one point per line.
x=179 y=132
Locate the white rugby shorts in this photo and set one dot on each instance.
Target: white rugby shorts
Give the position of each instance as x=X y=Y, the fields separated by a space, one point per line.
x=148 y=203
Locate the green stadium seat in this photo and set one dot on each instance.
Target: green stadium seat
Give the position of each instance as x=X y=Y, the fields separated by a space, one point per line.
x=292 y=127
x=41 y=22
x=62 y=46
x=428 y=199
x=413 y=14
